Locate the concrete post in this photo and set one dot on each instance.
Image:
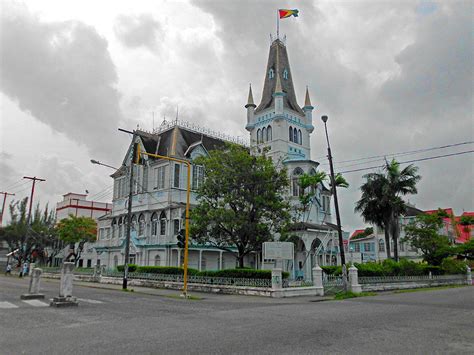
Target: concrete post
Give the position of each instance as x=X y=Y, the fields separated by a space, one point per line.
x=354 y=285
x=34 y=289
x=277 y=281
x=318 y=280
x=30 y=269
x=468 y=276
x=65 y=298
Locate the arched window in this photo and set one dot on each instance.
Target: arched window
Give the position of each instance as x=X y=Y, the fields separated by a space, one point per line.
x=134 y=222
x=285 y=74
x=162 y=223
x=381 y=245
x=258 y=136
x=295 y=135
x=120 y=227
x=157 y=260
x=300 y=139
x=264 y=134
x=291 y=133
x=269 y=133
x=114 y=228
x=154 y=224
x=271 y=73
x=141 y=225
x=296 y=181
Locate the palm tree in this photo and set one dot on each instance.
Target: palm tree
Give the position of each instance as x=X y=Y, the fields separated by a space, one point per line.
x=372 y=205
x=400 y=183
x=381 y=202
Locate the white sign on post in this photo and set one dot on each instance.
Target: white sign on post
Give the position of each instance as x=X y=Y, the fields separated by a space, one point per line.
x=278 y=250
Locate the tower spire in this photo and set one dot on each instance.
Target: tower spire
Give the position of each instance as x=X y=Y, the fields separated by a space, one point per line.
x=307 y=101
x=250 y=101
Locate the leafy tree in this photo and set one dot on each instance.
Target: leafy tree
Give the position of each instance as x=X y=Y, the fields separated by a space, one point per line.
x=465 y=250
x=423 y=233
x=381 y=202
x=240 y=203
x=31 y=240
x=308 y=184
x=76 y=230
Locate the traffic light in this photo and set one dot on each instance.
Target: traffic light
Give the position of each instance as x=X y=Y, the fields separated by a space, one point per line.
x=181 y=239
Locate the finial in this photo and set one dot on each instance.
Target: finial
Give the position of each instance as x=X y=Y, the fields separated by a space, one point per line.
x=307 y=101
x=250 y=101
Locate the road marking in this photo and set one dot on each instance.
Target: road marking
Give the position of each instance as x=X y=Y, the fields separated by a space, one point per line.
x=36 y=303
x=5 y=304
x=89 y=301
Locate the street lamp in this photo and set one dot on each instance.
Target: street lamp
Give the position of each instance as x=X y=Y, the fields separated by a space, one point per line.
x=99 y=163
x=333 y=187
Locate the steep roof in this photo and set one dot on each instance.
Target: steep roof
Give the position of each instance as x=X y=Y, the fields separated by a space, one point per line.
x=278 y=62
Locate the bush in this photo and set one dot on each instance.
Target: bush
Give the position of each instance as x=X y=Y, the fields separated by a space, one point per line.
x=131 y=267
x=168 y=270
x=332 y=270
x=452 y=266
x=371 y=269
x=242 y=273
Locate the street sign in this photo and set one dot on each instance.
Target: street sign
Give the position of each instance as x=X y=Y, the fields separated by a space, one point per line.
x=278 y=250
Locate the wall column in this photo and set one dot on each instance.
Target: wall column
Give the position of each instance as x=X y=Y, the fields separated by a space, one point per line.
x=200 y=259
x=221 y=253
x=179 y=257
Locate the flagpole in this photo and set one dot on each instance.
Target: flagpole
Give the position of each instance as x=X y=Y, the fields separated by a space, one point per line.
x=278 y=26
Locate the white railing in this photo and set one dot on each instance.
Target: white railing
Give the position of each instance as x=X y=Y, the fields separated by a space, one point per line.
x=394 y=279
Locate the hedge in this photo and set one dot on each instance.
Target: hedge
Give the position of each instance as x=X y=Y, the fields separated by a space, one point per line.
x=235 y=273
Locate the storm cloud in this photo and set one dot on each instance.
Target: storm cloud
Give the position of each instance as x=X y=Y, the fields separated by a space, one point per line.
x=136 y=31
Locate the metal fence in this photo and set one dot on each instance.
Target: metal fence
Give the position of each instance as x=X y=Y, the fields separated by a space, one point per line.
x=395 y=279
x=333 y=284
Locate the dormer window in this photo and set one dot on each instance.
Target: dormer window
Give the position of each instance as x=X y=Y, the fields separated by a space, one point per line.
x=285 y=74
x=271 y=73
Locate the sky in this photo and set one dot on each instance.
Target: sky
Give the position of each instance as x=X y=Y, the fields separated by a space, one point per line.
x=392 y=77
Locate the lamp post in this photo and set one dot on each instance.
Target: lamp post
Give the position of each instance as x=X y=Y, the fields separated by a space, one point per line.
x=333 y=187
x=129 y=218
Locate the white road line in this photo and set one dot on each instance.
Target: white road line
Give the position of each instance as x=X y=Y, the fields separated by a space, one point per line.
x=5 y=304
x=89 y=301
x=36 y=303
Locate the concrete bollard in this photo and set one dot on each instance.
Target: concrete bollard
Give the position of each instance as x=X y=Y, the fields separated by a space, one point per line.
x=354 y=285
x=34 y=288
x=65 y=298
x=277 y=281
x=468 y=276
x=30 y=269
x=318 y=280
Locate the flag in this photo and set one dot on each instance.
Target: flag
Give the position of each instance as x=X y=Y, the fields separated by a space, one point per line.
x=284 y=13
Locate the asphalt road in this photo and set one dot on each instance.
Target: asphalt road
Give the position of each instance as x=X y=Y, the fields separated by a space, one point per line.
x=109 y=321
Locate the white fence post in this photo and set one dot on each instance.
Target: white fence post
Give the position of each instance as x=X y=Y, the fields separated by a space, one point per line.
x=468 y=276
x=277 y=283
x=318 y=280
x=354 y=280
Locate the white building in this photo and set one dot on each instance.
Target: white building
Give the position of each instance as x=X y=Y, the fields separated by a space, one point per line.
x=278 y=126
x=78 y=206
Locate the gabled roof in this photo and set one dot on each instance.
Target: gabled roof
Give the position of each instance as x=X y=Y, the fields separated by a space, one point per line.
x=357 y=232
x=278 y=62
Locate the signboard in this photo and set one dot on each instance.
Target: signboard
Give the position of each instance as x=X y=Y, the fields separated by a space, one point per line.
x=278 y=250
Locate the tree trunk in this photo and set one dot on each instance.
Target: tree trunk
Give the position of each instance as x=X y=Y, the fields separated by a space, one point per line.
x=387 y=241
x=395 y=234
x=241 y=261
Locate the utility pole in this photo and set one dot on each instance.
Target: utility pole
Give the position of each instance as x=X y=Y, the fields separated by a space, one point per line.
x=5 y=194
x=336 y=204
x=32 y=193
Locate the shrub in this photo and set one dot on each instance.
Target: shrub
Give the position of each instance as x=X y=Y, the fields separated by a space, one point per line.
x=242 y=273
x=452 y=266
x=332 y=269
x=131 y=267
x=168 y=270
x=371 y=269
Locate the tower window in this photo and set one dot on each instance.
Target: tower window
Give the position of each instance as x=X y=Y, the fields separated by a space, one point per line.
x=271 y=73
x=264 y=134
x=258 y=136
x=295 y=135
x=269 y=133
x=291 y=133
x=285 y=74
x=300 y=138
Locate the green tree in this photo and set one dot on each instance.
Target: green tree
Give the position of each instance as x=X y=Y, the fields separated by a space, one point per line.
x=308 y=184
x=381 y=201
x=423 y=233
x=76 y=230
x=31 y=240
x=240 y=203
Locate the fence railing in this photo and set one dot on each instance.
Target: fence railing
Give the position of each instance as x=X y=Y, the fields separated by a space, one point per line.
x=394 y=279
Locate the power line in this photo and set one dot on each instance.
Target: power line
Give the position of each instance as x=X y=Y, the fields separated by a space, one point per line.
x=409 y=161
x=421 y=150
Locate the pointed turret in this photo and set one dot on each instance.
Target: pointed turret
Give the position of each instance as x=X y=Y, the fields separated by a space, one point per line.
x=308 y=112
x=250 y=110
x=278 y=71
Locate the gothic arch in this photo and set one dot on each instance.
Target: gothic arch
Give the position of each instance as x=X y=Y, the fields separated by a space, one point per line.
x=258 y=136
x=269 y=133
x=295 y=135
x=291 y=133
x=300 y=138
x=264 y=134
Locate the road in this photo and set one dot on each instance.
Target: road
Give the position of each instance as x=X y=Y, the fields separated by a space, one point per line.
x=110 y=321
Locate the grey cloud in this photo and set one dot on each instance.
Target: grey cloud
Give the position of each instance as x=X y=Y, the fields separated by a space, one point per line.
x=136 y=31
x=62 y=73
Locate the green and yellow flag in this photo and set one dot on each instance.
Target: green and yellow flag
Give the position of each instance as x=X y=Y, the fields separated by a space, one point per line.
x=284 y=13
